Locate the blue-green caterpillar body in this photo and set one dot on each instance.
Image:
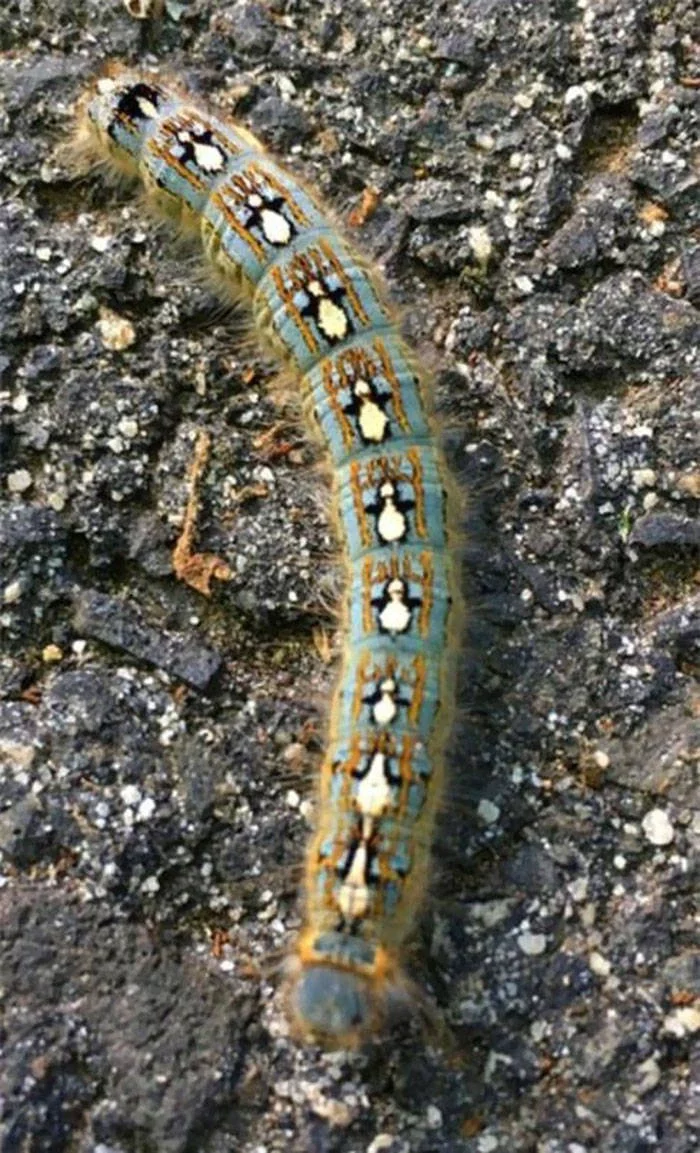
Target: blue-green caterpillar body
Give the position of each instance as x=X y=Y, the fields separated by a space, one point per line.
x=318 y=306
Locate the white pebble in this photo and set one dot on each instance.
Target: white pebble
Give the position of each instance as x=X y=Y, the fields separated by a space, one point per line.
x=116 y=331
x=485 y=141
x=599 y=965
x=532 y=944
x=433 y=1117
x=12 y=592
x=578 y=889
x=381 y=1142
x=643 y=477
x=657 y=827
x=128 y=427
x=19 y=481
x=576 y=92
x=524 y=285
x=130 y=795
x=146 y=809
x=682 y=1021
x=480 y=243
x=100 y=243
x=488 y=812
x=649 y=1076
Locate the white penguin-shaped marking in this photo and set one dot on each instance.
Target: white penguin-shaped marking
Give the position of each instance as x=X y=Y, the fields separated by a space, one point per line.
x=395 y=617
x=274 y=226
x=385 y=709
x=208 y=157
x=371 y=418
x=391 y=522
x=331 y=318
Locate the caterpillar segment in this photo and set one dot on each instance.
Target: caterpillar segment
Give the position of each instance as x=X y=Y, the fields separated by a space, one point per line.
x=322 y=311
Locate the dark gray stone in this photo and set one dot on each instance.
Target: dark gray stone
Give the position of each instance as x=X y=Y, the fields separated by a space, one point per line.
x=666 y=530
x=108 y=619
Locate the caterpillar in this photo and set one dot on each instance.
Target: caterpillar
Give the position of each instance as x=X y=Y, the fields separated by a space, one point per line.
x=320 y=309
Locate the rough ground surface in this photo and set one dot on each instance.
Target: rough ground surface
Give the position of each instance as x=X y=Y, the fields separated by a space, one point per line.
x=538 y=217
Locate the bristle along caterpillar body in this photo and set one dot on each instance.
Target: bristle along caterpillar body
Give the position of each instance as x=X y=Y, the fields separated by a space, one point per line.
x=317 y=305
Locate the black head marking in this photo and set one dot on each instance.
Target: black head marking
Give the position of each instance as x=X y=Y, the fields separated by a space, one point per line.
x=139 y=102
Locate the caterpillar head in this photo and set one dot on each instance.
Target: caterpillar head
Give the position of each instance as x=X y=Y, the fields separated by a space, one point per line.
x=118 y=114
x=333 y=1007
x=342 y=1007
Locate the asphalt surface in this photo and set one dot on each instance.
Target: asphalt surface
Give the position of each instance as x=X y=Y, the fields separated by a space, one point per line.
x=536 y=215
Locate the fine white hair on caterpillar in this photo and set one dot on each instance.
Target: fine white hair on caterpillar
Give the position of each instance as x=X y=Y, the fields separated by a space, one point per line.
x=320 y=309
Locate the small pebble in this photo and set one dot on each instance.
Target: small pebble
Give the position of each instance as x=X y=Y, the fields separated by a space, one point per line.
x=480 y=243
x=524 y=285
x=51 y=653
x=433 y=1117
x=12 y=592
x=644 y=478
x=599 y=965
x=690 y=484
x=649 y=1076
x=488 y=812
x=128 y=427
x=657 y=827
x=683 y=1021
x=146 y=809
x=381 y=1143
x=19 y=481
x=116 y=332
x=578 y=889
x=523 y=100
x=532 y=944
x=100 y=243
